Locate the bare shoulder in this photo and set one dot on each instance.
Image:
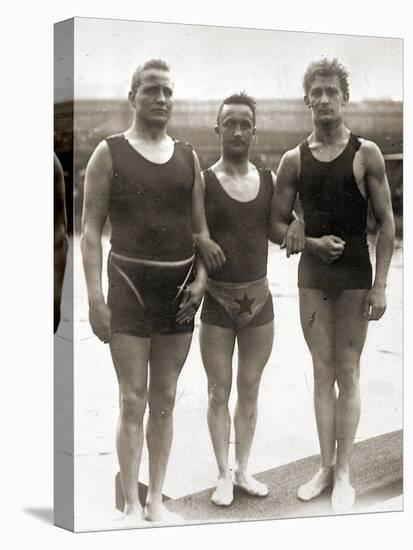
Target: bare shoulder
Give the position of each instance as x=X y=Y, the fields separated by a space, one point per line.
x=98 y=178
x=196 y=159
x=101 y=158
x=290 y=164
x=216 y=167
x=292 y=156
x=370 y=152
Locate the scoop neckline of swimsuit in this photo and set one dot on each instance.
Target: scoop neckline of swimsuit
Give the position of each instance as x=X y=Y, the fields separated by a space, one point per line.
x=335 y=158
x=230 y=196
x=147 y=160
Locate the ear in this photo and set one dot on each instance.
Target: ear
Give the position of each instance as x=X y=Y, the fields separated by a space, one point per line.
x=346 y=99
x=216 y=128
x=307 y=101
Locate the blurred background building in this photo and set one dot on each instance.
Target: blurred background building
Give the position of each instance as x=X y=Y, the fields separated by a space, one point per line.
x=281 y=124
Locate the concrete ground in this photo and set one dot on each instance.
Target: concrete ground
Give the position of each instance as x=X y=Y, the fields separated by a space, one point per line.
x=286 y=432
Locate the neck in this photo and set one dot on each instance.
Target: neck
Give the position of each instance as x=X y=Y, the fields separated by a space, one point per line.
x=143 y=131
x=330 y=133
x=234 y=165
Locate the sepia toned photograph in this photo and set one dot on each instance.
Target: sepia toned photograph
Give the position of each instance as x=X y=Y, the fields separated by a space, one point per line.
x=228 y=263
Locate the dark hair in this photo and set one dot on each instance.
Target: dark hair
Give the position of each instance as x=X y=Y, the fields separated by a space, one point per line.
x=150 y=64
x=325 y=67
x=238 y=99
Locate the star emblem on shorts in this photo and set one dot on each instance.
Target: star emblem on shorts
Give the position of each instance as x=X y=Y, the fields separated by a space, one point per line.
x=245 y=304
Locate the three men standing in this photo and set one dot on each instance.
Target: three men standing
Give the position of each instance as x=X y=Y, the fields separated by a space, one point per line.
x=151 y=188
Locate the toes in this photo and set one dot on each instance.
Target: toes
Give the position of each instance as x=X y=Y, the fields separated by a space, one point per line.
x=223 y=494
x=342 y=498
x=252 y=487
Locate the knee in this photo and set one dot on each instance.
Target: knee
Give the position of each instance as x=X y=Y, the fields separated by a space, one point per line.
x=132 y=405
x=247 y=392
x=218 y=395
x=161 y=403
x=324 y=373
x=348 y=376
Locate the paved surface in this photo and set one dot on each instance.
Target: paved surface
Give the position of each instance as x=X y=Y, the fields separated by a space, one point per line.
x=286 y=431
x=377 y=472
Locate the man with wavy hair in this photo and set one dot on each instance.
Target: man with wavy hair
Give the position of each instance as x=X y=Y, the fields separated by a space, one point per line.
x=336 y=175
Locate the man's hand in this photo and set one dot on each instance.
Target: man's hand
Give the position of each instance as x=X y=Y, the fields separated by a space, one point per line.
x=329 y=248
x=294 y=241
x=192 y=297
x=375 y=304
x=211 y=253
x=100 y=317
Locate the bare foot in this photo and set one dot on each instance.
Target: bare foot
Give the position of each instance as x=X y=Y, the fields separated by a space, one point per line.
x=160 y=513
x=250 y=485
x=343 y=495
x=313 y=488
x=133 y=509
x=131 y=517
x=224 y=493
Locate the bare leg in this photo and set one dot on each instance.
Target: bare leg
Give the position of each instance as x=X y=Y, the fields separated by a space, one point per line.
x=254 y=349
x=317 y=322
x=130 y=357
x=167 y=358
x=351 y=331
x=217 y=346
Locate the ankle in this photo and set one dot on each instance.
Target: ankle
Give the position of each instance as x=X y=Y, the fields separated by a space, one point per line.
x=240 y=470
x=153 y=501
x=225 y=476
x=342 y=471
x=327 y=469
x=133 y=508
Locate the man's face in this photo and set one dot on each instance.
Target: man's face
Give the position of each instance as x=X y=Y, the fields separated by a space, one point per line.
x=154 y=98
x=326 y=99
x=236 y=129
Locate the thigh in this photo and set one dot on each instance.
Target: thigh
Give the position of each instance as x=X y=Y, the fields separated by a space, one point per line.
x=351 y=325
x=217 y=347
x=130 y=355
x=254 y=350
x=317 y=322
x=167 y=357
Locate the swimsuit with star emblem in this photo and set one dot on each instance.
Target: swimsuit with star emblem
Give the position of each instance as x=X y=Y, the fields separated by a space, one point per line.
x=237 y=294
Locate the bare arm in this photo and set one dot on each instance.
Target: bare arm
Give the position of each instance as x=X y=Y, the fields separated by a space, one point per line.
x=283 y=199
x=212 y=254
x=294 y=240
x=60 y=237
x=194 y=292
x=95 y=211
x=380 y=199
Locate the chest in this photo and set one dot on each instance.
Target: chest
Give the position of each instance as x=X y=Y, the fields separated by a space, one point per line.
x=330 y=169
x=242 y=189
x=159 y=154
